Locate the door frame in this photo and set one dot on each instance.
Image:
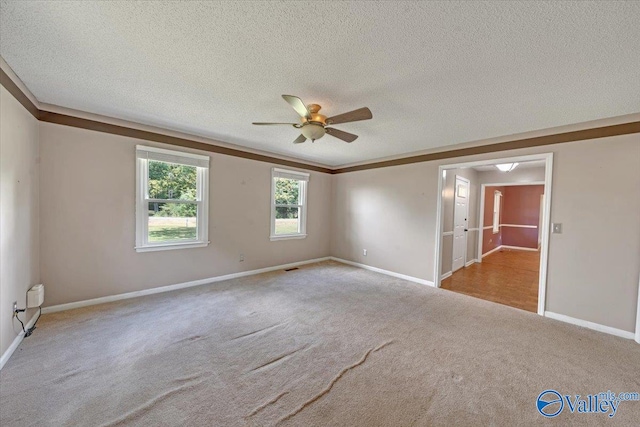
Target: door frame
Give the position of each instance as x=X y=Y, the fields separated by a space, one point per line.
x=638 y=316
x=546 y=227
x=464 y=257
x=481 y=213
x=540 y=219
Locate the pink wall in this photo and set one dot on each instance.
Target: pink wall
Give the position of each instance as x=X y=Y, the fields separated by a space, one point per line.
x=521 y=237
x=522 y=204
x=490 y=240
x=521 y=207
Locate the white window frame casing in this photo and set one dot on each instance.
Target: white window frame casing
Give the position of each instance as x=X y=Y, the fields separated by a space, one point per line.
x=303 y=178
x=143 y=155
x=497 y=202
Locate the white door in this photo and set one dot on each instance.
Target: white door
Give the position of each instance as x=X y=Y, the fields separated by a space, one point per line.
x=460 y=215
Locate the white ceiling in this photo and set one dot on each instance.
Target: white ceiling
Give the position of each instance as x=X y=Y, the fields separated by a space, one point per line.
x=434 y=74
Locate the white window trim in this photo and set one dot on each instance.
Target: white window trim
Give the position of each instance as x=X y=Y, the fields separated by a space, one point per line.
x=497 y=202
x=302 y=203
x=143 y=155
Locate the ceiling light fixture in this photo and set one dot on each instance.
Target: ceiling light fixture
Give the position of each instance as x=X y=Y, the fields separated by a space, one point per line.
x=507 y=167
x=312 y=131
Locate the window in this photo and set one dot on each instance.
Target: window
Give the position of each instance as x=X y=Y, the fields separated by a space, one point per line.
x=288 y=204
x=497 y=201
x=172 y=199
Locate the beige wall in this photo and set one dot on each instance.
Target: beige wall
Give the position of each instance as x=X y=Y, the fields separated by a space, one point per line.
x=593 y=266
x=19 y=248
x=88 y=220
x=386 y=211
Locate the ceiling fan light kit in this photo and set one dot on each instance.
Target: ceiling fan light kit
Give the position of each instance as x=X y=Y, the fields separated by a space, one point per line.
x=313 y=125
x=313 y=131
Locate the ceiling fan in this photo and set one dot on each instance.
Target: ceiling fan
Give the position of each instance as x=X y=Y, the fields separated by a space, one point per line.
x=313 y=125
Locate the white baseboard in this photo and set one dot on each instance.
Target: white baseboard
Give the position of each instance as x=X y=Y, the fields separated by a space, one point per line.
x=135 y=294
x=590 y=325
x=387 y=272
x=520 y=248
x=449 y=273
x=496 y=249
x=17 y=340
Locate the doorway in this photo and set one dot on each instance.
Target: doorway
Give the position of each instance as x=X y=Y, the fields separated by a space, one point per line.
x=493 y=229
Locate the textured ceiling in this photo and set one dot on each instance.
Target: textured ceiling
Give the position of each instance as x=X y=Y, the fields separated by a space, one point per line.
x=434 y=74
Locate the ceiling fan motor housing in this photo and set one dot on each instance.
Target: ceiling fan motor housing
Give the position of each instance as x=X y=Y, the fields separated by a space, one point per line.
x=313 y=125
x=314 y=115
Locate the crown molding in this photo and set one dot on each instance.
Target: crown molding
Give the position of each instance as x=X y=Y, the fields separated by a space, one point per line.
x=99 y=126
x=79 y=119
x=535 y=141
x=10 y=81
x=169 y=132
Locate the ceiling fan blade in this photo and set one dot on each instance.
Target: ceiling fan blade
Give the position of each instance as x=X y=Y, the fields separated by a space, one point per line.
x=269 y=124
x=300 y=139
x=340 y=134
x=297 y=105
x=352 y=116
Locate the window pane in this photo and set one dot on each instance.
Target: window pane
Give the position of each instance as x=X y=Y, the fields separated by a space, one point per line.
x=287 y=220
x=171 y=181
x=287 y=191
x=172 y=222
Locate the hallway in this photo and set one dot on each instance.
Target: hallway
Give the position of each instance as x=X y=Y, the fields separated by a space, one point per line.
x=507 y=277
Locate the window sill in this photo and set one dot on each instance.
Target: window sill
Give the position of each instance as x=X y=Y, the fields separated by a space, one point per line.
x=171 y=246
x=288 y=237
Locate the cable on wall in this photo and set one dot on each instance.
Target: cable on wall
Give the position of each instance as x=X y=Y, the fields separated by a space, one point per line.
x=27 y=332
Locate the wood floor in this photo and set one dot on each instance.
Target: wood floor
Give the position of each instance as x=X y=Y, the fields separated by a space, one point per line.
x=507 y=277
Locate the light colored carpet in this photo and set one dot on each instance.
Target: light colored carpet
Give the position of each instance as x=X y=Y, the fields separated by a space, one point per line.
x=327 y=344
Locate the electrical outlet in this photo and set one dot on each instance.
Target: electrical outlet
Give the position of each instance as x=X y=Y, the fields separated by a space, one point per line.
x=241 y=257
x=364 y=252
x=15 y=307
